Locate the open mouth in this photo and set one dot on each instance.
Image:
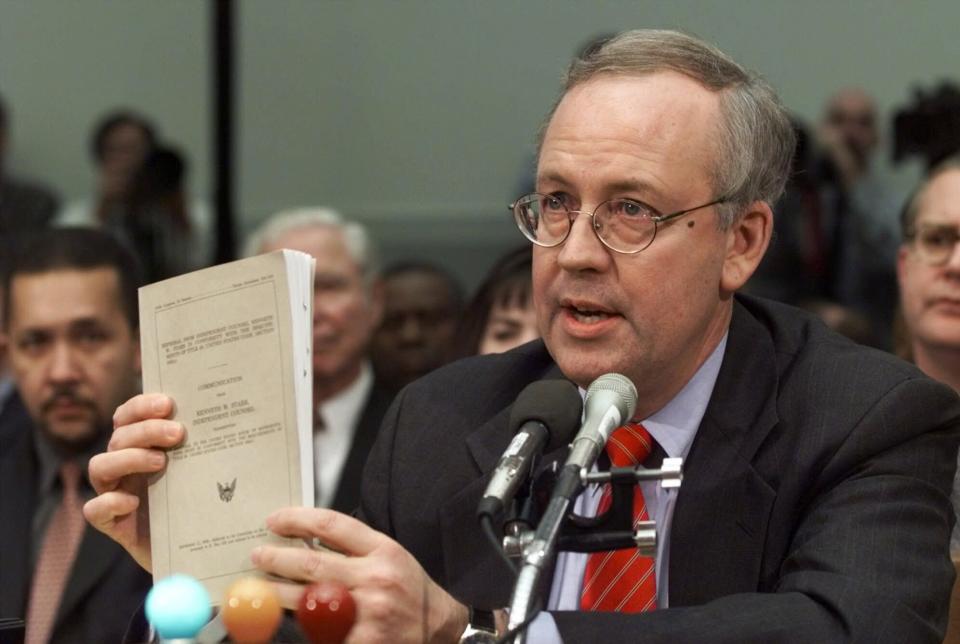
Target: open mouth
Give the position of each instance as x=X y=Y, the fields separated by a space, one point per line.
x=587 y=312
x=587 y=316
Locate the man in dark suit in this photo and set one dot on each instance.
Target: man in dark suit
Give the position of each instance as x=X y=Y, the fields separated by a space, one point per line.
x=814 y=505
x=349 y=402
x=70 y=331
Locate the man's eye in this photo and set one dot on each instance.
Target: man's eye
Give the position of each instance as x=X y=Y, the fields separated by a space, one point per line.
x=938 y=238
x=90 y=337
x=31 y=343
x=553 y=202
x=629 y=208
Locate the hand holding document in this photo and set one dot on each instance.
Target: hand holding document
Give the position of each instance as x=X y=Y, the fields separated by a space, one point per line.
x=231 y=345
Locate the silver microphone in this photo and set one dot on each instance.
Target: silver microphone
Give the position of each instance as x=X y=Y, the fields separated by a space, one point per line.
x=610 y=402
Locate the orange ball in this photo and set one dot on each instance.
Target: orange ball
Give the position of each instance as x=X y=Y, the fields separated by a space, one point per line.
x=251 y=611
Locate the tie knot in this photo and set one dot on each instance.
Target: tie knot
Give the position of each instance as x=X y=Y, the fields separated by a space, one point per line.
x=70 y=475
x=629 y=445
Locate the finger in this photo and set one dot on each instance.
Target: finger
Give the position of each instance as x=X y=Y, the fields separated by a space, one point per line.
x=289 y=593
x=306 y=565
x=147 y=433
x=107 y=469
x=336 y=530
x=103 y=511
x=142 y=407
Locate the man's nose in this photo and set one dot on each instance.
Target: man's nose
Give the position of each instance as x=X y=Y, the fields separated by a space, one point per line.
x=63 y=366
x=411 y=330
x=583 y=250
x=953 y=260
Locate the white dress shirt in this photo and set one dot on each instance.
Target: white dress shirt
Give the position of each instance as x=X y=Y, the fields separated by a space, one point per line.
x=331 y=445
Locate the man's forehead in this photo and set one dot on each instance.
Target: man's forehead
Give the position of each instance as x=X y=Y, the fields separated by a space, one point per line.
x=852 y=102
x=322 y=242
x=63 y=296
x=659 y=120
x=940 y=200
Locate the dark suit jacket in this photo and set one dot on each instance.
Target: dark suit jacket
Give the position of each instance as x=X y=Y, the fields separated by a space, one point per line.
x=105 y=587
x=347 y=496
x=814 y=507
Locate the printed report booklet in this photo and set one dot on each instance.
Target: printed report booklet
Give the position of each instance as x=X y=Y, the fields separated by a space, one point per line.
x=231 y=344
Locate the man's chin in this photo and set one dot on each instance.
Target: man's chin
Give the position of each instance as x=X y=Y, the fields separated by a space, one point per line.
x=74 y=432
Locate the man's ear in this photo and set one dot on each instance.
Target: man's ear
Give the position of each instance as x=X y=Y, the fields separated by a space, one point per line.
x=902 y=263
x=747 y=241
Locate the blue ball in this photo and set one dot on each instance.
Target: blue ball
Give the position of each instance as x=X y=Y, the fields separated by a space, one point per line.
x=178 y=607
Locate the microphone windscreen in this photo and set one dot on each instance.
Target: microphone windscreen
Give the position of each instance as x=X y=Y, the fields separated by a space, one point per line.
x=613 y=389
x=555 y=403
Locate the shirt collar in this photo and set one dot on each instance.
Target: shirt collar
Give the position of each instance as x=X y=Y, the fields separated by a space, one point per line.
x=50 y=459
x=675 y=425
x=341 y=412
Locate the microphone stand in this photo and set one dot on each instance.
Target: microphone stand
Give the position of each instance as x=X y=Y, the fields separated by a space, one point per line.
x=538 y=548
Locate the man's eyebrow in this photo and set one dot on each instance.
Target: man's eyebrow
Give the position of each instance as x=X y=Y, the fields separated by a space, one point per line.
x=552 y=177
x=938 y=223
x=624 y=185
x=87 y=323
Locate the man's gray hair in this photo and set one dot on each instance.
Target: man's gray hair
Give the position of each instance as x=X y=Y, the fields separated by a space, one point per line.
x=355 y=236
x=756 y=140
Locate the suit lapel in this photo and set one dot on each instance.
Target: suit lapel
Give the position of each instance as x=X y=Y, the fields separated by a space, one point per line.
x=347 y=496
x=720 y=520
x=17 y=498
x=97 y=554
x=468 y=558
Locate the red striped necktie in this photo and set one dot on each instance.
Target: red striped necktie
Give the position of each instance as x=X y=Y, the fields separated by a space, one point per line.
x=622 y=580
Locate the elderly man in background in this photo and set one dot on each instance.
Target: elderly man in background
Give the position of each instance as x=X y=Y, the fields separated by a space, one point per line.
x=814 y=504
x=347 y=308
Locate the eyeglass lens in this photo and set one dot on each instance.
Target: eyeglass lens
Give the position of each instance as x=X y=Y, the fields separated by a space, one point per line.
x=936 y=243
x=621 y=224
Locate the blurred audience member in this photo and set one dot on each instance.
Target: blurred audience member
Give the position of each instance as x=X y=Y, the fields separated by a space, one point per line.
x=120 y=143
x=140 y=182
x=347 y=307
x=501 y=315
x=422 y=303
x=796 y=266
x=23 y=206
x=70 y=327
x=863 y=235
x=844 y=321
x=157 y=221
x=928 y=270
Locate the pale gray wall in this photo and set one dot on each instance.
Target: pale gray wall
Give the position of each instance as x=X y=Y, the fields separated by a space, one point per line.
x=63 y=64
x=415 y=116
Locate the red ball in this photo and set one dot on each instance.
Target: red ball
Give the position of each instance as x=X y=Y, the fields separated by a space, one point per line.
x=327 y=612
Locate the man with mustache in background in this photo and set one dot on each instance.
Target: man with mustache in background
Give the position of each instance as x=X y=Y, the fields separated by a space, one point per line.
x=71 y=337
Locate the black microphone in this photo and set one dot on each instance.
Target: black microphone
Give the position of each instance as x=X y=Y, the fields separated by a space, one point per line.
x=610 y=402
x=544 y=417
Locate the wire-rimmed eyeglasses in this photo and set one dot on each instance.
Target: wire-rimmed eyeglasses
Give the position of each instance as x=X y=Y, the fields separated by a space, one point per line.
x=622 y=225
x=934 y=243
